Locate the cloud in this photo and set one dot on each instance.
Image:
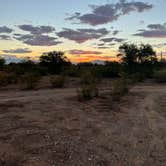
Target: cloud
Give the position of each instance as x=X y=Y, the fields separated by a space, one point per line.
x=5 y=29
x=112 y=39
x=38 y=35
x=37 y=40
x=157 y=26
x=110 y=12
x=18 y=51
x=103 y=47
x=153 y=31
x=5 y=37
x=142 y=22
x=82 y=35
x=82 y=52
x=160 y=45
x=101 y=44
x=115 y=32
x=37 y=30
x=91 y=58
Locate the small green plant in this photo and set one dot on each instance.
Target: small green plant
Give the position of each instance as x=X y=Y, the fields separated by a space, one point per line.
x=87 y=92
x=57 y=81
x=30 y=80
x=120 y=88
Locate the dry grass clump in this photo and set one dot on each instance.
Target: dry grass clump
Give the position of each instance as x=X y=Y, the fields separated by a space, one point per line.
x=120 y=88
x=89 y=87
x=87 y=92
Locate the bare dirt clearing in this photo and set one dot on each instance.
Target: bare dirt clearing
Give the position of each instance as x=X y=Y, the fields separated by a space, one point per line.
x=50 y=127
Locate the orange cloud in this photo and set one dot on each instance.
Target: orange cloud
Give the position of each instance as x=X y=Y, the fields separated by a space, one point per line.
x=89 y=58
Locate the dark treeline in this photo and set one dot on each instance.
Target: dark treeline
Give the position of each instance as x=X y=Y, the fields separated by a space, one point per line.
x=140 y=60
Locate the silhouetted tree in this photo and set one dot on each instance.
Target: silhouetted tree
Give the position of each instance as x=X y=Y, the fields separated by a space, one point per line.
x=2 y=63
x=146 y=54
x=129 y=54
x=147 y=59
x=54 y=61
x=138 y=59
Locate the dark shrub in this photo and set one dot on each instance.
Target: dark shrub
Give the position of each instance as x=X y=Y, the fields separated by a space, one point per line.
x=3 y=79
x=57 y=81
x=137 y=77
x=7 y=78
x=160 y=76
x=72 y=71
x=87 y=78
x=30 y=80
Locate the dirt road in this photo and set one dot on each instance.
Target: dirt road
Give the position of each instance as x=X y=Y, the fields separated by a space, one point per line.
x=51 y=128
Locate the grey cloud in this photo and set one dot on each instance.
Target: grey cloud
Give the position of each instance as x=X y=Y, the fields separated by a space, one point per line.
x=83 y=52
x=101 y=44
x=82 y=35
x=157 y=26
x=115 y=32
x=37 y=30
x=5 y=29
x=18 y=51
x=103 y=47
x=38 y=40
x=112 y=39
x=5 y=37
x=110 y=12
x=153 y=31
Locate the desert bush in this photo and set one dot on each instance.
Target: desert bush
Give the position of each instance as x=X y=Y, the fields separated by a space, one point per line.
x=87 y=92
x=87 y=78
x=72 y=71
x=30 y=80
x=120 y=88
x=12 y=78
x=7 y=78
x=89 y=86
x=160 y=76
x=3 y=79
x=137 y=77
x=57 y=81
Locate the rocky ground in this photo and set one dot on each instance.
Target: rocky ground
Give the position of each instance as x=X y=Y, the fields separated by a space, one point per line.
x=51 y=128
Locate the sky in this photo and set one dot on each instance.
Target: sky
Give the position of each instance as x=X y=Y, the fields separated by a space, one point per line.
x=86 y=30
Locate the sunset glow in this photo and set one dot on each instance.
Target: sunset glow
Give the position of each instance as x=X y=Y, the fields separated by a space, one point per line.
x=84 y=30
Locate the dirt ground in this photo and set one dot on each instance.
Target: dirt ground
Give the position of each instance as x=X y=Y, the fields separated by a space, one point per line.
x=51 y=128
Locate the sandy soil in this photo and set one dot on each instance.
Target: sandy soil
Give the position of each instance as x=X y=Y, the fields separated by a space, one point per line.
x=51 y=128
